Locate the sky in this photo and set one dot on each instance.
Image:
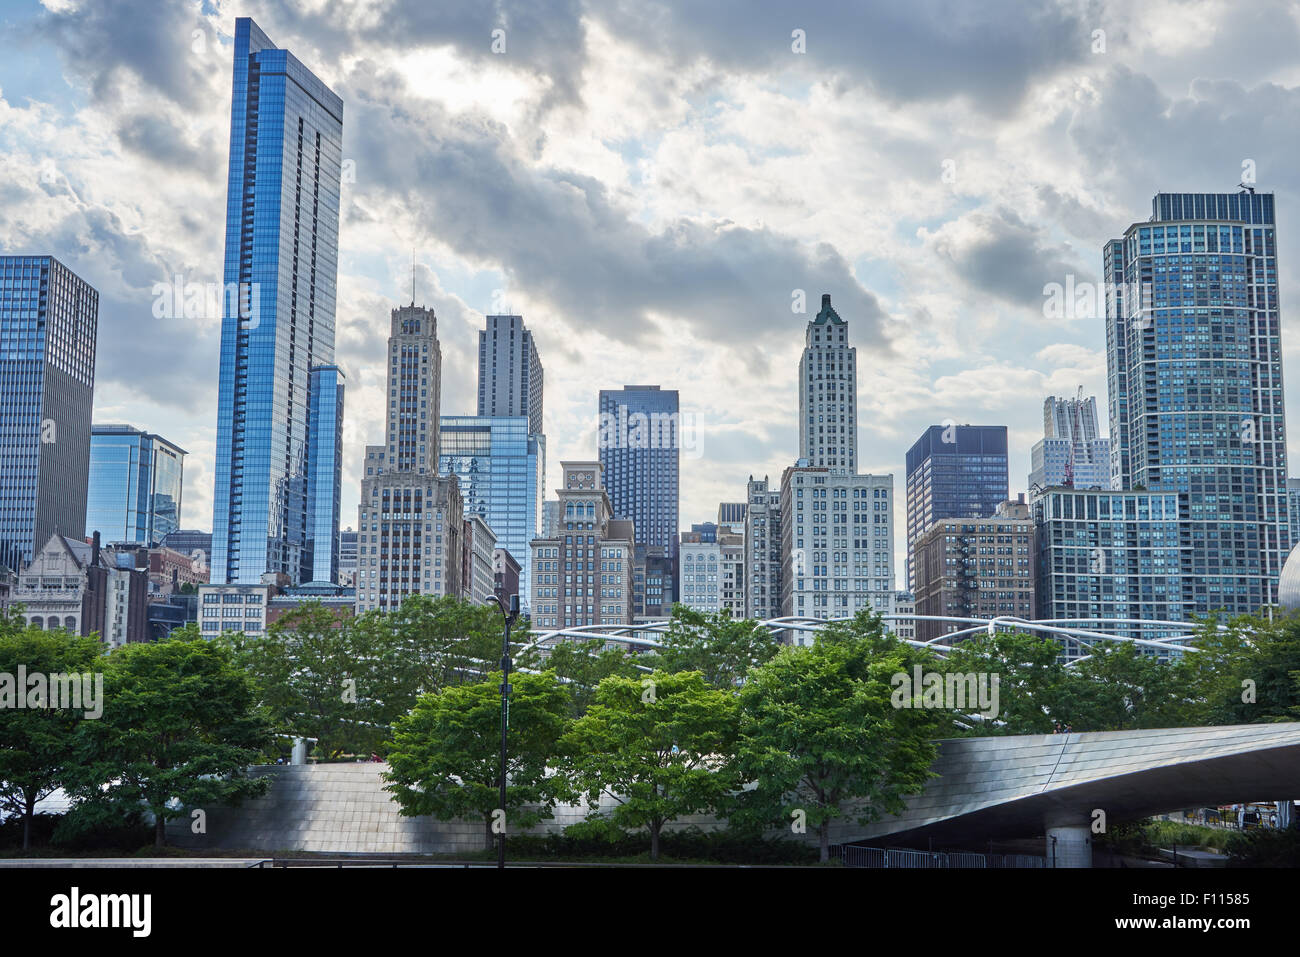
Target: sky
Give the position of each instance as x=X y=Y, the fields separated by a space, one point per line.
x=652 y=184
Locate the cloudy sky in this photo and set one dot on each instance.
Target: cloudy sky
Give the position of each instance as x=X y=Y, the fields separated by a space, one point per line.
x=648 y=183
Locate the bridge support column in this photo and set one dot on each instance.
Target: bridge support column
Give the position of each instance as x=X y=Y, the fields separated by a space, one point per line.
x=1069 y=845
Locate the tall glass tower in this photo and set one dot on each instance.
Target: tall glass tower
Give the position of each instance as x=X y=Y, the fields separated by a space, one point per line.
x=1194 y=361
x=136 y=479
x=277 y=330
x=640 y=447
x=47 y=379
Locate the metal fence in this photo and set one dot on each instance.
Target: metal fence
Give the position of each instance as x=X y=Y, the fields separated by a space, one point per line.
x=856 y=856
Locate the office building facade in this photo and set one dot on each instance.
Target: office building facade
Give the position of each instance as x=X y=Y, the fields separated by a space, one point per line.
x=954 y=471
x=509 y=372
x=136 y=479
x=270 y=512
x=500 y=467
x=410 y=521
x=762 y=551
x=1072 y=453
x=48 y=319
x=639 y=438
x=828 y=394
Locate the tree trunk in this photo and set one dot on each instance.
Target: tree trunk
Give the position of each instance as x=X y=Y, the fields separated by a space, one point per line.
x=28 y=812
x=824 y=831
x=654 y=839
x=159 y=830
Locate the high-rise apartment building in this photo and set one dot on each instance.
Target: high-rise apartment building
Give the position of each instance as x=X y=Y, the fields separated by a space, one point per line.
x=410 y=520
x=134 y=493
x=975 y=568
x=640 y=437
x=828 y=394
x=500 y=467
x=1194 y=361
x=699 y=560
x=583 y=574
x=837 y=534
x=48 y=319
x=270 y=509
x=731 y=573
x=762 y=551
x=509 y=372
x=478 y=551
x=1072 y=453
x=954 y=471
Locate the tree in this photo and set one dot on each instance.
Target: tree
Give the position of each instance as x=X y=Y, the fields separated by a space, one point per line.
x=444 y=641
x=818 y=729
x=38 y=744
x=1032 y=682
x=320 y=677
x=445 y=755
x=1119 y=687
x=720 y=647
x=178 y=732
x=661 y=747
x=582 y=666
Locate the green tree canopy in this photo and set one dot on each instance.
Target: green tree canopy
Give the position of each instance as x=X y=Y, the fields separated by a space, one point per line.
x=445 y=758
x=818 y=730
x=178 y=732
x=38 y=744
x=660 y=746
x=723 y=649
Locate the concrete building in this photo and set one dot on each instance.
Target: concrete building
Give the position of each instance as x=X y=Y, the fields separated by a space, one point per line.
x=762 y=551
x=550 y=519
x=410 y=520
x=1072 y=452
x=500 y=467
x=583 y=574
x=505 y=575
x=48 y=319
x=731 y=573
x=238 y=607
x=279 y=397
x=135 y=485
x=837 y=535
x=975 y=568
x=904 y=604
x=731 y=517
x=193 y=542
x=1194 y=364
x=828 y=394
x=954 y=471
x=478 y=551
x=640 y=439
x=655 y=584
x=509 y=372
x=348 y=558
x=700 y=561
x=85 y=589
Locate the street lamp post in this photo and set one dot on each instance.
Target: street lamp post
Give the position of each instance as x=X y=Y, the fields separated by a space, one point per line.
x=508 y=617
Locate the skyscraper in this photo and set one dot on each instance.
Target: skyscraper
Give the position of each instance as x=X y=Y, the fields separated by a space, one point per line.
x=324 y=474
x=509 y=372
x=640 y=448
x=48 y=318
x=828 y=394
x=277 y=331
x=1071 y=453
x=762 y=550
x=1194 y=361
x=500 y=466
x=410 y=521
x=134 y=493
x=954 y=471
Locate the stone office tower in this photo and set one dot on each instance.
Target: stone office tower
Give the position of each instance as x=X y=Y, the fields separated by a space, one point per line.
x=410 y=521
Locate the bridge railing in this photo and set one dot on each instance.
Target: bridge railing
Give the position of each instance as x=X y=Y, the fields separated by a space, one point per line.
x=901 y=857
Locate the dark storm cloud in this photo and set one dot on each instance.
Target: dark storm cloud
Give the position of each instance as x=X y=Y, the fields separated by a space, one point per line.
x=1006 y=257
x=100 y=42
x=153 y=137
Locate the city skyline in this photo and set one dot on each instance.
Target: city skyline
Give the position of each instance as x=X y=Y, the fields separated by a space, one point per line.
x=943 y=280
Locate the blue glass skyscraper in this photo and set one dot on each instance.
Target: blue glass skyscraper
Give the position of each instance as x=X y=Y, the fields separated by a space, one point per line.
x=500 y=466
x=1194 y=358
x=640 y=439
x=954 y=471
x=48 y=317
x=136 y=479
x=324 y=473
x=282 y=224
